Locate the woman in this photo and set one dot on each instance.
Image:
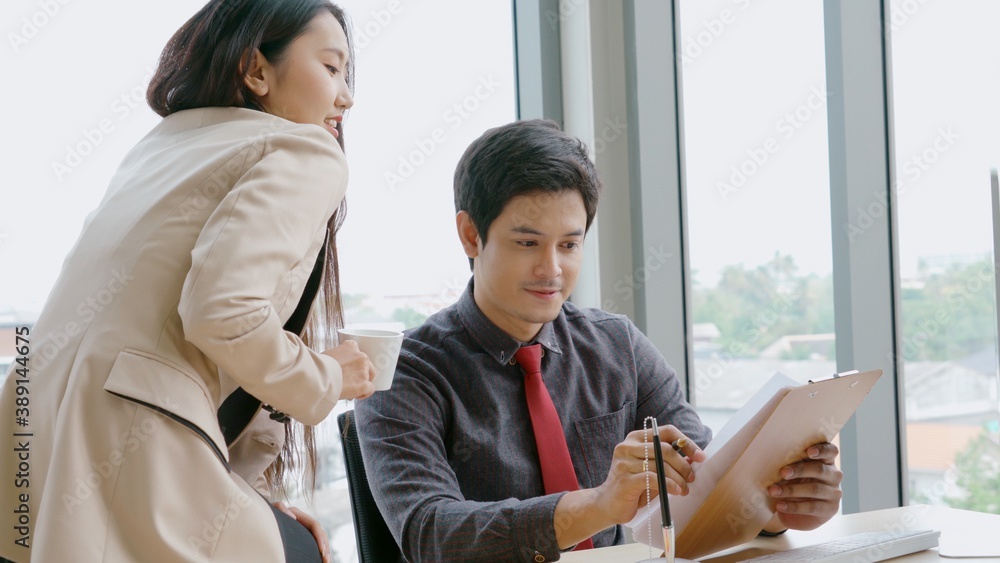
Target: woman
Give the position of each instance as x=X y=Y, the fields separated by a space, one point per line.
x=187 y=288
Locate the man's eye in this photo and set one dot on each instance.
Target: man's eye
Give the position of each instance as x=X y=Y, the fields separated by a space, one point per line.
x=526 y=243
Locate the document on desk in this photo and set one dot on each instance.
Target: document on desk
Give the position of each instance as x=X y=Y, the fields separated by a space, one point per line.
x=728 y=503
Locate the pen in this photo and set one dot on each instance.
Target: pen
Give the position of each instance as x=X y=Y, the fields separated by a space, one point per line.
x=667 y=523
x=679 y=444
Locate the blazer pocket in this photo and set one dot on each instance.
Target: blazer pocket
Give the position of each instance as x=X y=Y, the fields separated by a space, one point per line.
x=163 y=386
x=598 y=437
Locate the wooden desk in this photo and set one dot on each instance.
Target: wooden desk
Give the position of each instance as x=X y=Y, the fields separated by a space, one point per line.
x=958 y=527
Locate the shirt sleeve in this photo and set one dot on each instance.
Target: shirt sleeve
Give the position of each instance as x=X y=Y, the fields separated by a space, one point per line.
x=660 y=394
x=403 y=435
x=245 y=266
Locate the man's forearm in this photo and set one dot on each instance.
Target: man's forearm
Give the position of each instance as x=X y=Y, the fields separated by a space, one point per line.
x=579 y=517
x=478 y=532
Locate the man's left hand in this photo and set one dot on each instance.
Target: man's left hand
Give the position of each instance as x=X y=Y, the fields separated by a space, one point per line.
x=809 y=493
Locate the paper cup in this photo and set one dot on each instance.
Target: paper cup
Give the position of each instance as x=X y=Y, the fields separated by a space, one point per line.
x=381 y=347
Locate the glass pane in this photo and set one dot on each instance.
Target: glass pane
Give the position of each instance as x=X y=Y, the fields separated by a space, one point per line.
x=944 y=83
x=420 y=101
x=755 y=142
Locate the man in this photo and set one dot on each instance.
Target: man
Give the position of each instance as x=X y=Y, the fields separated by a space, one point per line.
x=457 y=452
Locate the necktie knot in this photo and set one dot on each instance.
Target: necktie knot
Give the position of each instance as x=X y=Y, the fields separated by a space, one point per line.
x=529 y=358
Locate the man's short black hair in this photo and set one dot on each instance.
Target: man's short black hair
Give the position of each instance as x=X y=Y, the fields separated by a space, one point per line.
x=521 y=158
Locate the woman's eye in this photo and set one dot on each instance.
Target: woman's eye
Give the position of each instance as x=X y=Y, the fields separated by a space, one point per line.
x=332 y=69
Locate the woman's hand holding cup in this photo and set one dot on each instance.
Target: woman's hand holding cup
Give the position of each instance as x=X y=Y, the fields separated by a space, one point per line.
x=358 y=370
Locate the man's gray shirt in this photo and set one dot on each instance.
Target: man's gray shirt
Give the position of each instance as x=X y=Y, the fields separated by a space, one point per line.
x=449 y=450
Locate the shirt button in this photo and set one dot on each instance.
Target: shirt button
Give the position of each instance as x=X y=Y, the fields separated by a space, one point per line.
x=539 y=558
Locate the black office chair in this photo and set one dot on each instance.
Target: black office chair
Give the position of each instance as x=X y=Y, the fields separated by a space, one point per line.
x=375 y=542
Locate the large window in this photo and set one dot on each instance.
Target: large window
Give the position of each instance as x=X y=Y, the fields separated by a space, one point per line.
x=420 y=102
x=757 y=186
x=946 y=140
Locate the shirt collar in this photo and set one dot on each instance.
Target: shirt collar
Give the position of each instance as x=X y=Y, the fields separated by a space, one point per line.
x=494 y=341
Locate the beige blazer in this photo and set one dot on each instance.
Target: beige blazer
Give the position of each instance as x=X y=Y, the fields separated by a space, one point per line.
x=175 y=293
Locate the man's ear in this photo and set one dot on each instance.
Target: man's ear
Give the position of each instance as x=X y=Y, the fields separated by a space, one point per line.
x=257 y=74
x=468 y=234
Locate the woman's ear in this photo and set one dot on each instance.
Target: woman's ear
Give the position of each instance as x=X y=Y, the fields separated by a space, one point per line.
x=257 y=74
x=468 y=234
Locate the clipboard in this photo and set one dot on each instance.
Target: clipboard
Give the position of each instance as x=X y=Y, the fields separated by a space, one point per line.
x=731 y=504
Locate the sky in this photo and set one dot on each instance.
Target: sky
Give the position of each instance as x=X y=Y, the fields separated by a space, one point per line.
x=419 y=102
x=744 y=86
x=77 y=73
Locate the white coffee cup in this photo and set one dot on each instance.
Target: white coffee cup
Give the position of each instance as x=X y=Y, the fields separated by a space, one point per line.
x=381 y=347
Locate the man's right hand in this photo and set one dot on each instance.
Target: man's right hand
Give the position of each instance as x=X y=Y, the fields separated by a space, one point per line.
x=624 y=491
x=581 y=514
x=358 y=370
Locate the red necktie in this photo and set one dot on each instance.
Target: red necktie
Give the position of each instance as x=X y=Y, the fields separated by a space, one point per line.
x=558 y=474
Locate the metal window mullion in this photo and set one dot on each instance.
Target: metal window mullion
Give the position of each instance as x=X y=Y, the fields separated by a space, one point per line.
x=537 y=59
x=865 y=271
x=658 y=205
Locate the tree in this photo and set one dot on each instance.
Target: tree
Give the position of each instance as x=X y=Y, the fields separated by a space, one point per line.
x=952 y=316
x=754 y=307
x=949 y=316
x=978 y=475
x=409 y=316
